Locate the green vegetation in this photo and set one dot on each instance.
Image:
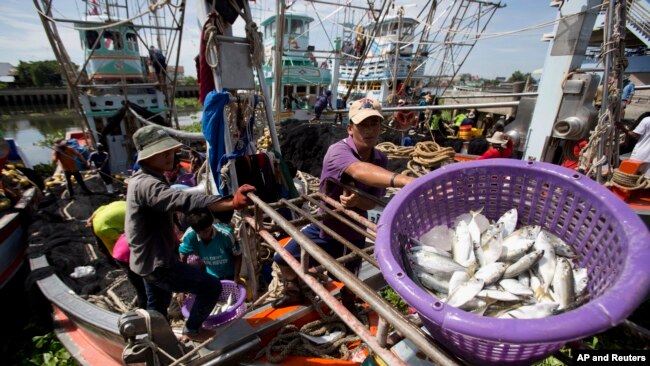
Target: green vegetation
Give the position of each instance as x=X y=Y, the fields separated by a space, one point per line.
x=194 y=127
x=394 y=299
x=42 y=350
x=44 y=170
x=50 y=138
x=38 y=74
x=188 y=80
x=188 y=104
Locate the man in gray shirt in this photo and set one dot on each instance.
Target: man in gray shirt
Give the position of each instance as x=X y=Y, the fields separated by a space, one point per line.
x=149 y=227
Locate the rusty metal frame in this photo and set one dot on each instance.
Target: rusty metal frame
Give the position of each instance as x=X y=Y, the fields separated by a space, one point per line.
x=388 y=315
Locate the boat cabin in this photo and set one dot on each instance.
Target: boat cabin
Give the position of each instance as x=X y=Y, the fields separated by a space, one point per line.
x=390 y=36
x=296 y=33
x=112 y=53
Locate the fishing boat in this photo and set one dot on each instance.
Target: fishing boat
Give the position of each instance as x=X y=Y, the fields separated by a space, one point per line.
x=303 y=80
x=18 y=198
x=389 y=56
x=98 y=336
x=115 y=82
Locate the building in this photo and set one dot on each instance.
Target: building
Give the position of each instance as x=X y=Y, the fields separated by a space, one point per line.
x=7 y=73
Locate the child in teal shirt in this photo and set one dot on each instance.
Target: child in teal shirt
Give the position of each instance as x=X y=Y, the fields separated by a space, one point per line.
x=214 y=243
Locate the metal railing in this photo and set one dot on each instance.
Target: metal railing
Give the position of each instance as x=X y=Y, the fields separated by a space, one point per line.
x=387 y=313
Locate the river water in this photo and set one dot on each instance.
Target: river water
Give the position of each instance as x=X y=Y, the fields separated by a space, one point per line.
x=29 y=129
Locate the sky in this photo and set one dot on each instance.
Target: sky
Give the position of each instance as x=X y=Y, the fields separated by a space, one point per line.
x=22 y=37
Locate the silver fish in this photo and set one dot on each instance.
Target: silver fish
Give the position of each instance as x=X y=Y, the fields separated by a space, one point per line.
x=478 y=224
x=474 y=305
x=462 y=248
x=524 y=279
x=546 y=265
x=561 y=247
x=523 y=264
x=493 y=248
x=430 y=249
x=515 y=287
x=433 y=283
x=465 y=292
x=563 y=286
x=580 y=281
x=457 y=279
x=535 y=311
x=491 y=273
x=498 y=295
x=491 y=231
x=435 y=263
x=514 y=247
x=509 y=220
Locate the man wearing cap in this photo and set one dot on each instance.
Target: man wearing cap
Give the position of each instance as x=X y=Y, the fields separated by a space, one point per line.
x=149 y=227
x=353 y=161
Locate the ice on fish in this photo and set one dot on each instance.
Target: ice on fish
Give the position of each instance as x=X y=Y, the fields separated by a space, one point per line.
x=440 y=237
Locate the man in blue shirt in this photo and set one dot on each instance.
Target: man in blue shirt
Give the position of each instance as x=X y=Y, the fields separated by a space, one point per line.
x=626 y=94
x=214 y=243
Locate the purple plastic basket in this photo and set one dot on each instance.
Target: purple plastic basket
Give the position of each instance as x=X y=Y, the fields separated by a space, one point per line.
x=237 y=309
x=611 y=241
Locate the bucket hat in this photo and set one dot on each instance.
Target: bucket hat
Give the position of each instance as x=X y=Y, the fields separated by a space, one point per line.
x=151 y=140
x=498 y=138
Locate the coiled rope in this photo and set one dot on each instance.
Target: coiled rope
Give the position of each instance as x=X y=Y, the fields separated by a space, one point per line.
x=424 y=155
x=289 y=340
x=630 y=182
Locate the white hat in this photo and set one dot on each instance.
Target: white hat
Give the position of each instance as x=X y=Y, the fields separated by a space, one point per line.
x=364 y=108
x=471 y=115
x=498 y=138
x=412 y=132
x=401 y=101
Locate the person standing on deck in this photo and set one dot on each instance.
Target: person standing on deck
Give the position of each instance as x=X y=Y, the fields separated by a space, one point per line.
x=100 y=159
x=353 y=161
x=65 y=155
x=322 y=102
x=626 y=94
x=149 y=227
x=159 y=63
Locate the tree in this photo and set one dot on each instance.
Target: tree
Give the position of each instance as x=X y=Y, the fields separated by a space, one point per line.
x=38 y=74
x=518 y=76
x=189 y=80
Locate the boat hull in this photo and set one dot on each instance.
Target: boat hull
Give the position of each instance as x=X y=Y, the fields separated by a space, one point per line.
x=12 y=235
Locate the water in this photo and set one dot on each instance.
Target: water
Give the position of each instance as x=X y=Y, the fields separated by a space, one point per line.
x=29 y=129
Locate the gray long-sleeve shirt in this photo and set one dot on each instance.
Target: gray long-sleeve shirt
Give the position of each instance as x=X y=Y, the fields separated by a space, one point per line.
x=149 y=226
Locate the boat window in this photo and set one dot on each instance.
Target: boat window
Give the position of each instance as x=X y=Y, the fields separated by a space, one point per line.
x=91 y=38
x=296 y=26
x=407 y=29
x=313 y=89
x=112 y=41
x=272 y=29
x=393 y=28
x=301 y=89
x=131 y=42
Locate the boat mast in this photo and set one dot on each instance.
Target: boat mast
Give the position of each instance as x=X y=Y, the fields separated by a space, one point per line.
x=69 y=73
x=398 y=44
x=277 y=58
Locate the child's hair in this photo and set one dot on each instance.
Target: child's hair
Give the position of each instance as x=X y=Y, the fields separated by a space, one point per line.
x=199 y=219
